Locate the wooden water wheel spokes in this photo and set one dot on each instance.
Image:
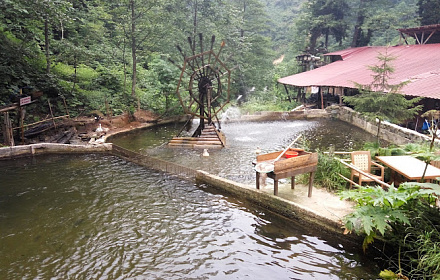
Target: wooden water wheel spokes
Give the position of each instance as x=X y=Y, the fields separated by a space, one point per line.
x=208 y=83
x=204 y=89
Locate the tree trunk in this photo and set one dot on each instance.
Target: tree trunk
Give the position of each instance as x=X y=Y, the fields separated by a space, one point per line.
x=133 y=52
x=358 y=27
x=378 y=132
x=46 y=43
x=315 y=34
x=74 y=75
x=125 y=65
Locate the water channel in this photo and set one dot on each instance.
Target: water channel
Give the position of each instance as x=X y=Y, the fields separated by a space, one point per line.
x=100 y=217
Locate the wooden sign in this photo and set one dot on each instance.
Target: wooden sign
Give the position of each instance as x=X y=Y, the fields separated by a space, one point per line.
x=25 y=100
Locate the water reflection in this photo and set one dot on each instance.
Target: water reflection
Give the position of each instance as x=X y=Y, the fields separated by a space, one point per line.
x=99 y=217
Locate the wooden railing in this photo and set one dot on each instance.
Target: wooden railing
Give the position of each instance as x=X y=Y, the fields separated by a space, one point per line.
x=351 y=166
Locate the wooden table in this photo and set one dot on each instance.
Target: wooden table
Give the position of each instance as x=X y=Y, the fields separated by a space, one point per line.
x=409 y=167
x=290 y=173
x=305 y=162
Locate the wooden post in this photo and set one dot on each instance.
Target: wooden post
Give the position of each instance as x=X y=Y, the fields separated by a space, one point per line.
x=275 y=186
x=258 y=180
x=312 y=176
x=7 y=130
x=22 y=113
x=65 y=107
x=21 y=120
x=341 y=97
x=292 y=183
x=51 y=113
x=209 y=105
x=202 y=115
x=287 y=92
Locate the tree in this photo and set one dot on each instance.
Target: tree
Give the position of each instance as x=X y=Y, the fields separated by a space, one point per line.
x=381 y=100
x=250 y=47
x=24 y=27
x=376 y=21
x=324 y=18
x=360 y=37
x=144 y=16
x=282 y=15
x=429 y=11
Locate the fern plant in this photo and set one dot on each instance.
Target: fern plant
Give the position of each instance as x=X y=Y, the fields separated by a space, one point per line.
x=403 y=215
x=376 y=209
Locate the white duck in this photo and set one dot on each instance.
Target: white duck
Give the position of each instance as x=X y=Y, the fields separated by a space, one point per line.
x=99 y=129
x=205 y=153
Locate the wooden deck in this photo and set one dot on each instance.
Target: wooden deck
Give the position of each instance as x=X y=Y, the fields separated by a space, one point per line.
x=210 y=138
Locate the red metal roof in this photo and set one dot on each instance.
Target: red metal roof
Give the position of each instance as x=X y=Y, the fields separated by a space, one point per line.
x=418 y=63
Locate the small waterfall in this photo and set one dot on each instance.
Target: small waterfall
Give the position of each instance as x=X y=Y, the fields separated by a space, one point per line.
x=232 y=113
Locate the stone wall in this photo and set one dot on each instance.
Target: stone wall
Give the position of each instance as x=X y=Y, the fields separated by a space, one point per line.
x=290 y=115
x=389 y=132
x=51 y=148
x=279 y=205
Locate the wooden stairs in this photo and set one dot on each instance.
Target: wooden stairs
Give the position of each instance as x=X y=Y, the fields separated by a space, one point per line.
x=210 y=138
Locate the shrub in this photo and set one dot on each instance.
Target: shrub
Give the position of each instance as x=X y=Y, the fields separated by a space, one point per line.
x=407 y=219
x=327 y=173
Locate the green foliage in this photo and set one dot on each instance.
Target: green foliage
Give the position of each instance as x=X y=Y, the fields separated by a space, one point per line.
x=327 y=173
x=325 y=18
x=429 y=11
x=282 y=18
x=341 y=24
x=391 y=150
x=274 y=98
x=388 y=275
x=429 y=250
x=376 y=210
x=95 y=38
x=406 y=218
x=258 y=104
x=383 y=18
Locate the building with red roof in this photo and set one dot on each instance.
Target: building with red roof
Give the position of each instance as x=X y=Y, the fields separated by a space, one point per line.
x=419 y=64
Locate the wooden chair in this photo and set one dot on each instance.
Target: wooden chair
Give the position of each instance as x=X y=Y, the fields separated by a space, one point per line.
x=362 y=160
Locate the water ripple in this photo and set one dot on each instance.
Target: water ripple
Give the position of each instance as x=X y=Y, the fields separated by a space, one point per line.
x=99 y=217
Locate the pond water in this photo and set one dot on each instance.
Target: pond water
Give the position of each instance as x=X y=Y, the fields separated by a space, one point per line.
x=100 y=217
x=235 y=161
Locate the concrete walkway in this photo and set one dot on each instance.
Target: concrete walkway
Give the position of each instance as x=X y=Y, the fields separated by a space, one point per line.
x=322 y=202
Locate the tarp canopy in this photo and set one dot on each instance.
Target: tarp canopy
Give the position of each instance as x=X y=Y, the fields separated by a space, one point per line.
x=419 y=64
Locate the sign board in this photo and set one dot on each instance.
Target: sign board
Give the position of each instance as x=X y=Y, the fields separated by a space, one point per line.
x=25 y=100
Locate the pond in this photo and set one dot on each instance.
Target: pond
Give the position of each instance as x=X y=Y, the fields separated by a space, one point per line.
x=243 y=138
x=100 y=217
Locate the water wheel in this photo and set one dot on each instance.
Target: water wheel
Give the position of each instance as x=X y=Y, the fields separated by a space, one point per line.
x=204 y=85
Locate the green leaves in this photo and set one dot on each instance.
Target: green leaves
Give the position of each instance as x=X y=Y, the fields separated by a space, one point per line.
x=327 y=173
x=377 y=209
x=370 y=220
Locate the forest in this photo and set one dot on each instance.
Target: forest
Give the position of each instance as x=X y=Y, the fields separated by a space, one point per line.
x=121 y=56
